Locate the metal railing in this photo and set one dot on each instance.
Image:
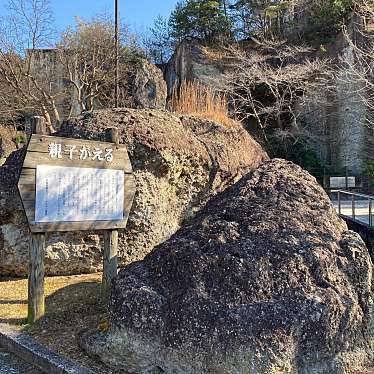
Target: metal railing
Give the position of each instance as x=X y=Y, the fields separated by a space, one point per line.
x=354 y=198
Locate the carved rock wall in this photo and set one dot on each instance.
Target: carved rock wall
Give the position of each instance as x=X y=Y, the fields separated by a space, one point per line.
x=191 y=61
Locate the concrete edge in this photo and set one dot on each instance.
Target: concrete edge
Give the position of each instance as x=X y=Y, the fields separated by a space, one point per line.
x=36 y=354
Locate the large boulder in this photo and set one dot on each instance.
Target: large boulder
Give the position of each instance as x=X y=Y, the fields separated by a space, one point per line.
x=148 y=88
x=264 y=279
x=179 y=163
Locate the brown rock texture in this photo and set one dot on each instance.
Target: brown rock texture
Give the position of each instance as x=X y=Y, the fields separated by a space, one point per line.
x=264 y=279
x=179 y=163
x=7 y=145
x=192 y=61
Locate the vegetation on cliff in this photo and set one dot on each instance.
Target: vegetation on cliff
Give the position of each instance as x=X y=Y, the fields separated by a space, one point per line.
x=292 y=66
x=285 y=57
x=226 y=21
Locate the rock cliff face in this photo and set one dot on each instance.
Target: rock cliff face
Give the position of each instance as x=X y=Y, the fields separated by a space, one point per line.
x=265 y=279
x=191 y=61
x=179 y=163
x=148 y=87
x=337 y=117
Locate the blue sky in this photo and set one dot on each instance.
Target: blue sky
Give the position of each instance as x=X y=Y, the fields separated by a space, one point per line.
x=137 y=13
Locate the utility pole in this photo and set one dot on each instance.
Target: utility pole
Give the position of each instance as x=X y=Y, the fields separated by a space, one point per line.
x=116 y=36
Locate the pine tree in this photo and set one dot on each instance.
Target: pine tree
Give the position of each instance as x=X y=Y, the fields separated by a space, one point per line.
x=158 y=42
x=204 y=19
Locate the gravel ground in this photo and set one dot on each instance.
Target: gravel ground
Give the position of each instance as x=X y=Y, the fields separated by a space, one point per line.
x=10 y=364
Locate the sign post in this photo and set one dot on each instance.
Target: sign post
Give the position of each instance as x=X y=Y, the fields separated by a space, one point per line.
x=110 y=238
x=74 y=185
x=36 y=302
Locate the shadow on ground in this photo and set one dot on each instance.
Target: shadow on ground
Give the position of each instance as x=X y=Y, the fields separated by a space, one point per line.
x=69 y=311
x=72 y=306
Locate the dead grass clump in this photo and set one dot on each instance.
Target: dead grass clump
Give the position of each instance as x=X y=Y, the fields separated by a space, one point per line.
x=197 y=99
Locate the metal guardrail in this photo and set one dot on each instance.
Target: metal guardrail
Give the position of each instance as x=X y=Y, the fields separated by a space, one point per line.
x=353 y=203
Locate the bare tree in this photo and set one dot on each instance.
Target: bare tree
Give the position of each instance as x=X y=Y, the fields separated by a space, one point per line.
x=268 y=84
x=88 y=56
x=76 y=75
x=27 y=28
x=30 y=24
x=158 y=42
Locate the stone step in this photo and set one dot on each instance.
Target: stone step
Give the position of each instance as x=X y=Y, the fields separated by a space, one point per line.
x=11 y=364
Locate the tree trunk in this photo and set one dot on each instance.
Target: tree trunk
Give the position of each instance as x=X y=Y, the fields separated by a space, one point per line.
x=48 y=121
x=56 y=113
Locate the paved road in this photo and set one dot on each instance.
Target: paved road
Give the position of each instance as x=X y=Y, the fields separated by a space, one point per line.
x=10 y=364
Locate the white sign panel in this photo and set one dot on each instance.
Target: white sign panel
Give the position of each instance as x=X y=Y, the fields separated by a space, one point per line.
x=70 y=194
x=342 y=182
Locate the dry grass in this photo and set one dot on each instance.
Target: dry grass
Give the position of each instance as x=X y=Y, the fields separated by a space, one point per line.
x=72 y=304
x=197 y=99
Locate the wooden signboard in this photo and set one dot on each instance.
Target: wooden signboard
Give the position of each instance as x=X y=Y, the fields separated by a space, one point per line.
x=73 y=185
x=68 y=184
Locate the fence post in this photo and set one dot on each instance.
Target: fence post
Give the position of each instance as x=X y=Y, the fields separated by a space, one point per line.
x=36 y=301
x=324 y=178
x=370 y=212
x=353 y=207
x=346 y=178
x=110 y=239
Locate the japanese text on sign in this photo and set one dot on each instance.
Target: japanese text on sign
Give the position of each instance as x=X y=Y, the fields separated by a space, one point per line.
x=70 y=194
x=57 y=151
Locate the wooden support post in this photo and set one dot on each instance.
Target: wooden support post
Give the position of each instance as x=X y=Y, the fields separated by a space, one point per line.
x=325 y=185
x=36 y=302
x=353 y=207
x=346 y=177
x=110 y=239
x=110 y=260
x=36 y=278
